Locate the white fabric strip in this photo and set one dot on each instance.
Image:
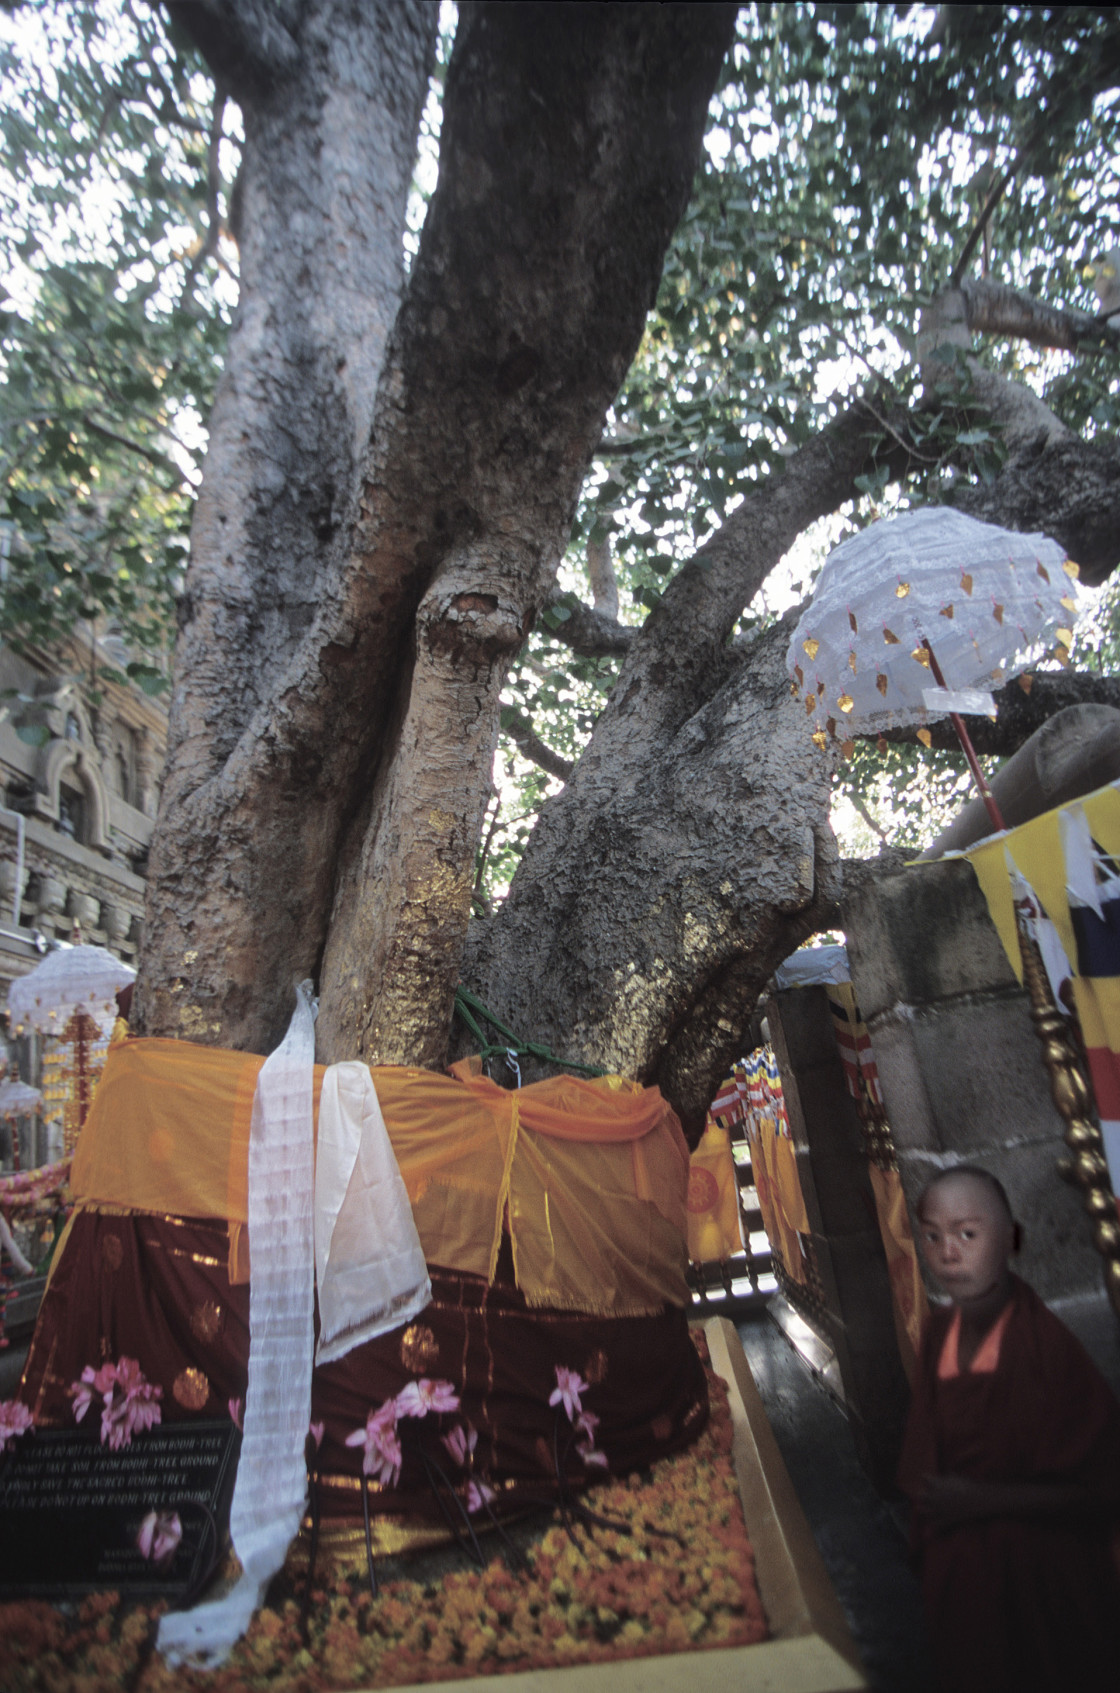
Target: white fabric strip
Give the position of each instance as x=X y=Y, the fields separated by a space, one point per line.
x=368 y=1258
x=271 y=1487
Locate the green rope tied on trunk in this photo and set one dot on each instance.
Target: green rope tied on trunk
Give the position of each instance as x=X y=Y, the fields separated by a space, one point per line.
x=471 y=1009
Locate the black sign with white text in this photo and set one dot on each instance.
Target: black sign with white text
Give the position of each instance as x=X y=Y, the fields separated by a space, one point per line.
x=149 y=1518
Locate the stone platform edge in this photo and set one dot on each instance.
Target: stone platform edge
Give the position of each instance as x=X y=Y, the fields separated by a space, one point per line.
x=810 y=1649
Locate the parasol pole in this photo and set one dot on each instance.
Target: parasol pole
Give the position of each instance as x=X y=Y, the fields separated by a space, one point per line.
x=968 y=749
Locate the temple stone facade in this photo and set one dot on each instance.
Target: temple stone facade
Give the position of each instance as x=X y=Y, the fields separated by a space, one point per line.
x=80 y=791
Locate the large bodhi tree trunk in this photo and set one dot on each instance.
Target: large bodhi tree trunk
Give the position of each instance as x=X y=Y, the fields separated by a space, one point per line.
x=364 y=568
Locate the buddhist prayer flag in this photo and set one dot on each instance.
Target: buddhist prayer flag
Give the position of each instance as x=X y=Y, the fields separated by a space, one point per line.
x=774 y=1163
x=1093 y=891
x=1067 y=859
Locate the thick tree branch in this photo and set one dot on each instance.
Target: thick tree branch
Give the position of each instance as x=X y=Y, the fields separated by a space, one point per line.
x=1021 y=710
x=528 y=742
x=992 y=308
x=248 y=44
x=677 y=658
x=589 y=632
x=1053 y=480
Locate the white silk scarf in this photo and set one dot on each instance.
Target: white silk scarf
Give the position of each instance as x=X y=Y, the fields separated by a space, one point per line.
x=368 y=1259
x=271 y=1488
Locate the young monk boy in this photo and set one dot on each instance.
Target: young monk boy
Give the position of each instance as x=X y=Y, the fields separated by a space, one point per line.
x=1012 y=1464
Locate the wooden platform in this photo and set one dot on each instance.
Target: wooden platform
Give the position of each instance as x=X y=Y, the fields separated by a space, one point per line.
x=810 y=1649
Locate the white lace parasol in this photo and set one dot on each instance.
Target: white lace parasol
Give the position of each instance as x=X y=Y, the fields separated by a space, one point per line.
x=18 y=1100
x=985 y=599
x=75 y=978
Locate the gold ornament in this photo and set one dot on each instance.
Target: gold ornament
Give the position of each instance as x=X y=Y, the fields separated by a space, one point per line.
x=819 y=739
x=1073 y=1097
x=852 y=621
x=206 y=1321
x=966 y=582
x=846 y=703
x=902 y=590
x=1043 y=572
x=1026 y=682
x=997 y=612
x=890 y=637
x=925 y=737
x=1073 y=571
x=946 y=611
x=419 y=1349
x=852 y=663
x=812 y=646
x=922 y=655
x=882 y=684
x=191 y=1389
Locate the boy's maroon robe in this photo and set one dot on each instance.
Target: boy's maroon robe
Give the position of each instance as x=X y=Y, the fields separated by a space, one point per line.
x=1016 y=1603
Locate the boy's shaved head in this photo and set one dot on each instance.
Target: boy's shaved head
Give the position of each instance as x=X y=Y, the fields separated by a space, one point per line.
x=976 y=1173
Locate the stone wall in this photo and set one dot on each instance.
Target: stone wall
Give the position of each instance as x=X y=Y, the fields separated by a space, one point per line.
x=960 y=1065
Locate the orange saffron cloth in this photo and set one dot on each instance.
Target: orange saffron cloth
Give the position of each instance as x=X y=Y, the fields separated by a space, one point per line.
x=589 y=1176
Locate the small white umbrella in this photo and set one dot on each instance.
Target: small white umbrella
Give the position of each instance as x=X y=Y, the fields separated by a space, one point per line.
x=917 y=616
x=910 y=600
x=73 y=979
x=17 y=1099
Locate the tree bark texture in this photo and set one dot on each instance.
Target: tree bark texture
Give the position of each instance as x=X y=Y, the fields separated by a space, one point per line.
x=330 y=828
x=240 y=867
x=1053 y=481
x=690 y=850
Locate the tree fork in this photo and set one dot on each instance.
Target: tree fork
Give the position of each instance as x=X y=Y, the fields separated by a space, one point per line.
x=496 y=381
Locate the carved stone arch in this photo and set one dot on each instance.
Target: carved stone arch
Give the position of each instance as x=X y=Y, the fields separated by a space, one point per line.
x=56 y=758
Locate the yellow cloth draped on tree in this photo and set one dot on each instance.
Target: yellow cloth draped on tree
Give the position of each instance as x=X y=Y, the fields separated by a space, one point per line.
x=589 y=1176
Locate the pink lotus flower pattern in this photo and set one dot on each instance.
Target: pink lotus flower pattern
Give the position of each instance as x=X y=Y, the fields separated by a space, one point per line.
x=461 y=1443
x=417 y=1398
x=15 y=1419
x=160 y=1533
x=569 y=1385
x=130 y=1402
x=382 y=1456
x=478 y=1495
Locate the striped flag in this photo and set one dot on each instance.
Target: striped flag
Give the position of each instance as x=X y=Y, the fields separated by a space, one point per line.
x=1093 y=891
